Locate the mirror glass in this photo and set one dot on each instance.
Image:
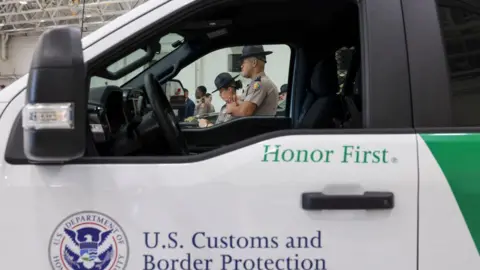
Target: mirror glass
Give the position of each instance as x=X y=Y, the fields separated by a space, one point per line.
x=173 y=88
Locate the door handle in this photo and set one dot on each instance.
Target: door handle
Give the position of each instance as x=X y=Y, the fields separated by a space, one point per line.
x=367 y=201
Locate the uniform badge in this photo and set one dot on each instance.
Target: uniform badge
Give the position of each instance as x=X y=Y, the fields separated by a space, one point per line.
x=256 y=86
x=88 y=240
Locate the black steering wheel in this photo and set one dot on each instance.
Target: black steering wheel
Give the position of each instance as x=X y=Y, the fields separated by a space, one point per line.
x=165 y=117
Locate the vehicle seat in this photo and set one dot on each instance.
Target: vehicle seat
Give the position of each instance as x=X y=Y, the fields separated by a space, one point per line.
x=352 y=93
x=319 y=105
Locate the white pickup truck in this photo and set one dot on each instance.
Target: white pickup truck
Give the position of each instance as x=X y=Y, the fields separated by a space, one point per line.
x=382 y=172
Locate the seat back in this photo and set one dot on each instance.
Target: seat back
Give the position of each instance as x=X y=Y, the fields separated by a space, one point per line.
x=319 y=105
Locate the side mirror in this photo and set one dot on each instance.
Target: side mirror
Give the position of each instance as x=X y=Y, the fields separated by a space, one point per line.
x=54 y=118
x=174 y=91
x=173 y=87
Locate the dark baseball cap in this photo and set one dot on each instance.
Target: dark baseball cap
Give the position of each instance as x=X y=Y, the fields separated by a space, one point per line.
x=283 y=89
x=255 y=51
x=223 y=80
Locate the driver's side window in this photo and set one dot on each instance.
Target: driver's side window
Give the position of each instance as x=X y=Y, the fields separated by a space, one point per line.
x=202 y=73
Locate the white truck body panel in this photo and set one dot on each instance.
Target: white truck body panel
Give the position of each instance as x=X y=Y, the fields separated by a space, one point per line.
x=168 y=198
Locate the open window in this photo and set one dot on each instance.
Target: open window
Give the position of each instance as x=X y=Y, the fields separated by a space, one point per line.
x=321 y=77
x=203 y=71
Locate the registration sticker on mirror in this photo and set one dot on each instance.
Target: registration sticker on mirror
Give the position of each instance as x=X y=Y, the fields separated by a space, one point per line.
x=48 y=116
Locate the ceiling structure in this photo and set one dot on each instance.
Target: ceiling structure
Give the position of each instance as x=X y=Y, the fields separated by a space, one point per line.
x=22 y=17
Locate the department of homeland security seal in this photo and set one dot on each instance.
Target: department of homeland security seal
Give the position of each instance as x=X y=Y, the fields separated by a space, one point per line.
x=88 y=240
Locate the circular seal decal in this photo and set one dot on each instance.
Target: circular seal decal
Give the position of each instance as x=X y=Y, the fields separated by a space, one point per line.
x=88 y=240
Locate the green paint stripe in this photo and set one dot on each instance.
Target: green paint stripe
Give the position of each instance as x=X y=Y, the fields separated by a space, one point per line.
x=459 y=158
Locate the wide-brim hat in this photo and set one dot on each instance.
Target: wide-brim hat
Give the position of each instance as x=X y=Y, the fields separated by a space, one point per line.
x=254 y=51
x=223 y=80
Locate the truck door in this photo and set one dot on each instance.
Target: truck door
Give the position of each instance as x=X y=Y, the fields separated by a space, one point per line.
x=292 y=199
x=443 y=54
x=301 y=201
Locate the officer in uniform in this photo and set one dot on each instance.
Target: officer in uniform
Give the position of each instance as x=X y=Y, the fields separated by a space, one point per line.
x=203 y=106
x=227 y=87
x=261 y=95
x=282 y=99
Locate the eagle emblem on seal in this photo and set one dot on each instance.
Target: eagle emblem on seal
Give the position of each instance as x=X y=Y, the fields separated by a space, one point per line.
x=88 y=248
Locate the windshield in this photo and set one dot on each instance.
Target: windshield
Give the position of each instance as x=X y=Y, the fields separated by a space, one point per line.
x=167 y=43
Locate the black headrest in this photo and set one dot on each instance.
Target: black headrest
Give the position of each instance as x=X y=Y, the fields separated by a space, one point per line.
x=324 y=79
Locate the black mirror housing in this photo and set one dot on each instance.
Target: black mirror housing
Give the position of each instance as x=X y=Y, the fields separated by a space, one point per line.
x=55 y=115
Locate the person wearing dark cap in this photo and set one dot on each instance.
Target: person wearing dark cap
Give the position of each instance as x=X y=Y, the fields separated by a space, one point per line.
x=261 y=96
x=282 y=98
x=227 y=87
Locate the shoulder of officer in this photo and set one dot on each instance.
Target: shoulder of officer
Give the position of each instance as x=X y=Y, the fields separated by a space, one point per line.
x=256 y=83
x=265 y=82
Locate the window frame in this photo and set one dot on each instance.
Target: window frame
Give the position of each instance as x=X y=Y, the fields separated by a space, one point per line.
x=386 y=87
x=385 y=35
x=426 y=52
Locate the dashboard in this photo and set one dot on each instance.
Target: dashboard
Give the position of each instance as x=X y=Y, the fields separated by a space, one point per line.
x=110 y=108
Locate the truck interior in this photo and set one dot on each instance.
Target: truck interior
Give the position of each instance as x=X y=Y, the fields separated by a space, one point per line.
x=314 y=30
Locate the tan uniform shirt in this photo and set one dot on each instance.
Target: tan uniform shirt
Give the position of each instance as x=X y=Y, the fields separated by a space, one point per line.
x=282 y=104
x=204 y=108
x=223 y=116
x=263 y=93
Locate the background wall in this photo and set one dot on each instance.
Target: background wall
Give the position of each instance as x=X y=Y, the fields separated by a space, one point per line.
x=19 y=53
x=19 y=56
x=201 y=72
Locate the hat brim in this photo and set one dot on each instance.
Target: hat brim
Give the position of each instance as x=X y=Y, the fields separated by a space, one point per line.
x=243 y=56
x=233 y=79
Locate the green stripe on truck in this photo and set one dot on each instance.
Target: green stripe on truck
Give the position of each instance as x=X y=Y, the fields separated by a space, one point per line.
x=458 y=155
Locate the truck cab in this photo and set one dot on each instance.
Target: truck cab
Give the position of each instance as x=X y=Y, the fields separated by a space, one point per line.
x=372 y=165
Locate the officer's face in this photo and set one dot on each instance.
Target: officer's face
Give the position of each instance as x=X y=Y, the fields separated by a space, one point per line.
x=198 y=94
x=226 y=94
x=247 y=67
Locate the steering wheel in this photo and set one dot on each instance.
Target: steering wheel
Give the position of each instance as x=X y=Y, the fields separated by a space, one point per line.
x=165 y=117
